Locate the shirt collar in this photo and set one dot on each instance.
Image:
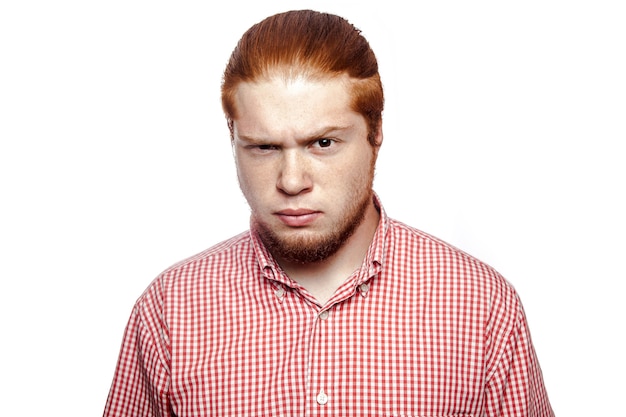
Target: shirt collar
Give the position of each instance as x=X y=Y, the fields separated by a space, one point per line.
x=268 y=265
x=376 y=252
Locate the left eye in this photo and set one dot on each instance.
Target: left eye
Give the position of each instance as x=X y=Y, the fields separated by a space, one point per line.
x=324 y=143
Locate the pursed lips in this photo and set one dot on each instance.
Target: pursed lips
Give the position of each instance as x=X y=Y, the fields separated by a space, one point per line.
x=297 y=217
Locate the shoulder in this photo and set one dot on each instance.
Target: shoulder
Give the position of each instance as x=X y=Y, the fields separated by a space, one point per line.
x=224 y=253
x=450 y=281
x=439 y=262
x=204 y=268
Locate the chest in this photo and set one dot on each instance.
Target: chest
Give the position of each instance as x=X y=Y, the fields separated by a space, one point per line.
x=274 y=353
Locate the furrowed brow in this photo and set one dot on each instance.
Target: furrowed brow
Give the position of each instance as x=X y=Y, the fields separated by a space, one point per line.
x=327 y=131
x=250 y=140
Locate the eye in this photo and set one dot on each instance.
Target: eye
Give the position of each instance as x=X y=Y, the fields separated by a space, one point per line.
x=264 y=148
x=324 y=142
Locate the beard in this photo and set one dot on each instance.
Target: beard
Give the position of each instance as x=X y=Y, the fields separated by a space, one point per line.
x=307 y=247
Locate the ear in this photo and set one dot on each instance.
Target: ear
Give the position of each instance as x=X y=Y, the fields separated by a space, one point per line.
x=378 y=136
x=231 y=128
x=378 y=139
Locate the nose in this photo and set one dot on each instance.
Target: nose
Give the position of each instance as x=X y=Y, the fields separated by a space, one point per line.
x=294 y=177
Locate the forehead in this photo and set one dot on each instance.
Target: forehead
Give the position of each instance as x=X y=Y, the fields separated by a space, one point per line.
x=277 y=105
x=295 y=89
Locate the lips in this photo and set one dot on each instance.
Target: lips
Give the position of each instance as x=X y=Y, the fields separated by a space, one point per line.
x=297 y=217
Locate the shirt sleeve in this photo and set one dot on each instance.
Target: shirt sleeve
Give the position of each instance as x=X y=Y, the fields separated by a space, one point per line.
x=142 y=375
x=514 y=380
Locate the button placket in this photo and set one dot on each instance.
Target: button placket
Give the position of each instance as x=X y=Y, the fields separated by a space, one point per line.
x=319 y=357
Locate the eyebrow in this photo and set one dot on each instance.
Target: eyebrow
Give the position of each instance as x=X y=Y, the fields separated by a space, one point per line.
x=321 y=133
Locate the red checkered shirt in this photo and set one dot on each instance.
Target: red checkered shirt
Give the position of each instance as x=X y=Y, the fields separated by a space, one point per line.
x=421 y=329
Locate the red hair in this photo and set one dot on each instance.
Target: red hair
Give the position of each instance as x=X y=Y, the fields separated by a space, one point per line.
x=310 y=44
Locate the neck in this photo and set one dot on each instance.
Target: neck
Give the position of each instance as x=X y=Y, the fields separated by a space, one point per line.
x=323 y=278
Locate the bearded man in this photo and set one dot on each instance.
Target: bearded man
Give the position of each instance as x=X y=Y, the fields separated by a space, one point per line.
x=326 y=306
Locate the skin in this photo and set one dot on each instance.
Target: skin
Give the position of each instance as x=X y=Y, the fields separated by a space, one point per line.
x=306 y=169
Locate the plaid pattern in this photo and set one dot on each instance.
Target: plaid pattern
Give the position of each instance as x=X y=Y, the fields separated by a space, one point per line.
x=422 y=329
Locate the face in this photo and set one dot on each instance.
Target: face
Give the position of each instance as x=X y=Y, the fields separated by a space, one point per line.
x=304 y=165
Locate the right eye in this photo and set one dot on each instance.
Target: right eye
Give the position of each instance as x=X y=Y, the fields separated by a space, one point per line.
x=263 y=148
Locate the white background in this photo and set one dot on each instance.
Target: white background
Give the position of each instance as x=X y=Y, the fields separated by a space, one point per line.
x=504 y=131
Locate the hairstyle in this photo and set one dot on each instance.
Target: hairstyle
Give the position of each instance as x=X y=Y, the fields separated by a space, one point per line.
x=311 y=44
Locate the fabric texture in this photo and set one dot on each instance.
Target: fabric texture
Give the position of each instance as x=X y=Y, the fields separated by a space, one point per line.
x=421 y=329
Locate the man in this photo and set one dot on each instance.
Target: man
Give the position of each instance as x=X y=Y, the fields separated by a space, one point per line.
x=326 y=306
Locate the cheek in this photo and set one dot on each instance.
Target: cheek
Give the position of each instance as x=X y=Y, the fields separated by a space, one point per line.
x=356 y=169
x=254 y=179
x=246 y=179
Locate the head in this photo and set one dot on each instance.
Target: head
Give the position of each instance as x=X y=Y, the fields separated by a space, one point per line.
x=303 y=100
x=311 y=45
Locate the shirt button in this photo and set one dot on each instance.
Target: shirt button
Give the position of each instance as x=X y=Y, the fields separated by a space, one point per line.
x=323 y=315
x=321 y=398
x=280 y=293
x=364 y=289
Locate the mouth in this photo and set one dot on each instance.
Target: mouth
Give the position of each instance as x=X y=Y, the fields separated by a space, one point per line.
x=297 y=217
